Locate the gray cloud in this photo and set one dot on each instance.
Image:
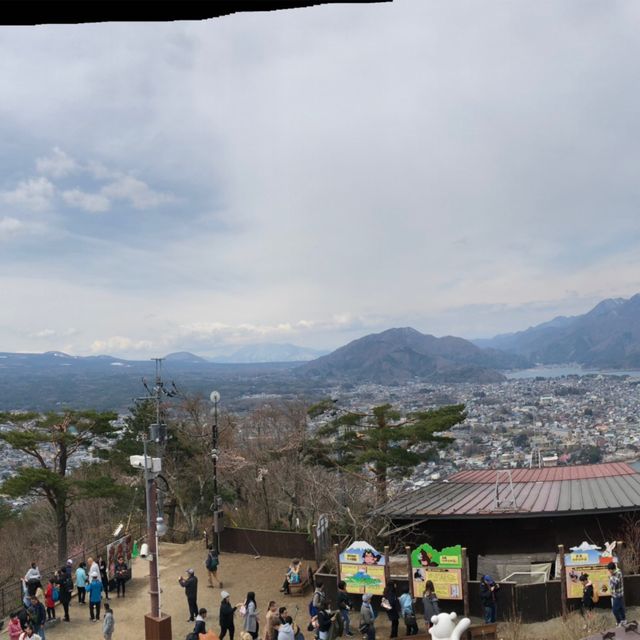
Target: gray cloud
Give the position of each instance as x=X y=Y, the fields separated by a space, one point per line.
x=462 y=168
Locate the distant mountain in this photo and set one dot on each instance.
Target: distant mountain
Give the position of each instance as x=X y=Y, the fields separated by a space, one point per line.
x=184 y=357
x=608 y=336
x=270 y=352
x=398 y=355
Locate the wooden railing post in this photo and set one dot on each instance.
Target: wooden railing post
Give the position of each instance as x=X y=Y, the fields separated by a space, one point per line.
x=563 y=581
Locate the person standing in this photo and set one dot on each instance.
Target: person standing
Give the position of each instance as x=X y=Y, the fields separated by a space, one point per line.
x=95 y=598
x=102 y=565
x=393 y=612
x=49 y=600
x=272 y=621
x=33 y=578
x=94 y=569
x=201 y=625
x=251 y=624
x=65 y=587
x=408 y=613
x=81 y=582
x=430 y=604
x=226 y=616
x=325 y=618
x=37 y=616
x=616 y=589
x=319 y=599
x=121 y=571
x=367 y=618
x=211 y=563
x=29 y=634
x=14 y=629
x=344 y=606
x=190 y=585
x=488 y=596
x=286 y=630
x=587 y=595
x=109 y=623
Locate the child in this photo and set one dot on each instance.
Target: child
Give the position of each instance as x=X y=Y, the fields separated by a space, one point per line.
x=15 y=628
x=108 y=623
x=49 y=601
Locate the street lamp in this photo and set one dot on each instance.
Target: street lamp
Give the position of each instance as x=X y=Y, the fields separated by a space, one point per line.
x=215 y=398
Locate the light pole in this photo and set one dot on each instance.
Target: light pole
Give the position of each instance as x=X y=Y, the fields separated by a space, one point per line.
x=215 y=534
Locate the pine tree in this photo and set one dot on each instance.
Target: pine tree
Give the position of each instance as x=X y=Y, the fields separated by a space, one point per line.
x=384 y=443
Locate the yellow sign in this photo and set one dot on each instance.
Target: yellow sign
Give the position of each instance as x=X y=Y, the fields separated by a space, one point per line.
x=352 y=557
x=579 y=558
x=363 y=578
x=598 y=575
x=446 y=582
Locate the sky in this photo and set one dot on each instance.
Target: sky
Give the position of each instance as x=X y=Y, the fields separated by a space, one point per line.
x=313 y=175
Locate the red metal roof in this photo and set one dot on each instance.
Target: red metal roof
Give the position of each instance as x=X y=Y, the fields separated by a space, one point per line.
x=590 y=488
x=550 y=474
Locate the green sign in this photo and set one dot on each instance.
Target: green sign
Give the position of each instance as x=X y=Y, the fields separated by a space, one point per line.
x=428 y=557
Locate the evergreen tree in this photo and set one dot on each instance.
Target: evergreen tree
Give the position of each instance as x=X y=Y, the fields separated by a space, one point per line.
x=51 y=441
x=384 y=443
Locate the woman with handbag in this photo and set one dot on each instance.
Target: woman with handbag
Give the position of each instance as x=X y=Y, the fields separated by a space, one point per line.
x=408 y=613
x=392 y=606
x=250 y=623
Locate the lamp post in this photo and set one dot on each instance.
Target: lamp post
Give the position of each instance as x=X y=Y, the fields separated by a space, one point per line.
x=215 y=398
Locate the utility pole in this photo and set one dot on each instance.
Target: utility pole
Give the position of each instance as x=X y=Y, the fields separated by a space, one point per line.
x=157 y=626
x=215 y=530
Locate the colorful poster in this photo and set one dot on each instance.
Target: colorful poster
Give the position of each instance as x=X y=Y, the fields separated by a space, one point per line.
x=120 y=547
x=363 y=569
x=594 y=563
x=443 y=568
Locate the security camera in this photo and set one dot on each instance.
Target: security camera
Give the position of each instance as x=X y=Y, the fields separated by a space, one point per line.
x=144 y=550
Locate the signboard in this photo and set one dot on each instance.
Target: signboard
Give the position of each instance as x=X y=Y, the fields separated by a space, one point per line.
x=592 y=562
x=443 y=568
x=120 y=547
x=363 y=569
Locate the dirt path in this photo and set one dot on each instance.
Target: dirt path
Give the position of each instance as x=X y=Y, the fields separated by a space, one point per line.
x=239 y=574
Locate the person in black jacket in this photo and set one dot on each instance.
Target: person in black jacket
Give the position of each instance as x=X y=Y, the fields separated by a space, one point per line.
x=190 y=584
x=488 y=596
x=344 y=606
x=65 y=587
x=325 y=618
x=201 y=625
x=122 y=573
x=226 y=616
x=587 y=594
x=393 y=612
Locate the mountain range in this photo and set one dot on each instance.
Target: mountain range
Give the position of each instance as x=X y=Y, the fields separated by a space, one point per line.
x=606 y=337
x=399 y=355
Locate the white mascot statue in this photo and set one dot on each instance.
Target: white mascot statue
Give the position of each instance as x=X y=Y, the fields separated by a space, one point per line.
x=445 y=627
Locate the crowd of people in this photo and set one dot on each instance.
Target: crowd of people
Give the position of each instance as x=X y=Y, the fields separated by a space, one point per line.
x=90 y=579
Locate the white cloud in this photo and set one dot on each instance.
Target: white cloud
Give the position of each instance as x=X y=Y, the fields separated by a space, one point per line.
x=119 y=344
x=54 y=333
x=10 y=226
x=58 y=164
x=91 y=202
x=135 y=191
x=34 y=195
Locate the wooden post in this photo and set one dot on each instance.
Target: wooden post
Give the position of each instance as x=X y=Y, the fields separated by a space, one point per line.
x=618 y=553
x=407 y=549
x=563 y=581
x=387 y=567
x=337 y=553
x=465 y=581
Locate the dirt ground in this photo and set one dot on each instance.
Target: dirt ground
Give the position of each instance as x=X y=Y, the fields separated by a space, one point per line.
x=239 y=574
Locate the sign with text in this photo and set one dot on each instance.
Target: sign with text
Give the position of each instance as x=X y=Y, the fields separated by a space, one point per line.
x=363 y=569
x=594 y=563
x=443 y=568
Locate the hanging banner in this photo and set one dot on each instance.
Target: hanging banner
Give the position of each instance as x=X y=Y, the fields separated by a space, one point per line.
x=363 y=569
x=443 y=568
x=591 y=560
x=120 y=547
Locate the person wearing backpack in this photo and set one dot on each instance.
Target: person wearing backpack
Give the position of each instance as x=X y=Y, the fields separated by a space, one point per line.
x=211 y=563
x=65 y=587
x=49 y=600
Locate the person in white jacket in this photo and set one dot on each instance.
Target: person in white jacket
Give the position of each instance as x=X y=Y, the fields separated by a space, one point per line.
x=285 y=631
x=94 y=570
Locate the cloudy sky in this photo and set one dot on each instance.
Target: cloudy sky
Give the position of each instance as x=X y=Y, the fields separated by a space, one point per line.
x=310 y=176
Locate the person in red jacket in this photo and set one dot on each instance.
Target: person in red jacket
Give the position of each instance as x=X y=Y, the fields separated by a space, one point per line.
x=49 y=602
